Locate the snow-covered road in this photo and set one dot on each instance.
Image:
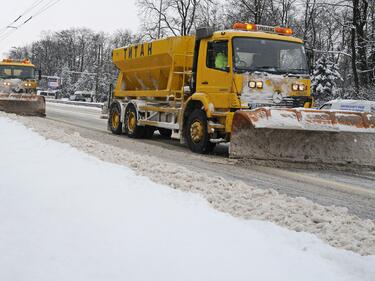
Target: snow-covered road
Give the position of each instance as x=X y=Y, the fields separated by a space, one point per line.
x=66 y=215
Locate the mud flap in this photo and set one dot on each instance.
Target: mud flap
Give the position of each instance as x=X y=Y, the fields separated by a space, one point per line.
x=304 y=136
x=23 y=104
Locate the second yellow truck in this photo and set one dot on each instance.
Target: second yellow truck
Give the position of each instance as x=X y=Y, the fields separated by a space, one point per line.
x=18 y=84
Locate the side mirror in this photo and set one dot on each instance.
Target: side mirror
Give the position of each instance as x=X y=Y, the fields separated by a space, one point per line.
x=39 y=74
x=110 y=94
x=204 y=32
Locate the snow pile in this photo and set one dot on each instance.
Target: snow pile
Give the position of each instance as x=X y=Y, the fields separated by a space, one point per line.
x=100 y=221
x=332 y=224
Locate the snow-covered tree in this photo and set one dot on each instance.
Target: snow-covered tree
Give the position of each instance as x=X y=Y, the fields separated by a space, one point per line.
x=85 y=82
x=66 y=79
x=325 y=77
x=103 y=86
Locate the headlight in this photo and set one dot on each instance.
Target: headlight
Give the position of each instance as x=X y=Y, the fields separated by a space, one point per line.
x=258 y=84
x=298 y=87
x=252 y=84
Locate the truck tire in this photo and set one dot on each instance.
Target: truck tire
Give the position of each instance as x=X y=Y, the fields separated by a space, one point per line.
x=114 y=120
x=132 y=130
x=196 y=133
x=165 y=133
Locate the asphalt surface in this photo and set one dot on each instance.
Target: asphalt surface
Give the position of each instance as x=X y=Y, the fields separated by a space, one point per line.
x=354 y=190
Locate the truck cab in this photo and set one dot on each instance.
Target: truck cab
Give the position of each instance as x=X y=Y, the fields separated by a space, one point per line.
x=263 y=68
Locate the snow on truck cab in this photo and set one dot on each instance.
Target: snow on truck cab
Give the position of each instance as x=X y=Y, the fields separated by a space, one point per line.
x=214 y=86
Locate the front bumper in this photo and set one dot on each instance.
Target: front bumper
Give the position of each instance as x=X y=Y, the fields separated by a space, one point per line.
x=289 y=102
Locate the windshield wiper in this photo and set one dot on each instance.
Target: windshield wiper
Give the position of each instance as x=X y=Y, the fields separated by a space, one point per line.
x=267 y=68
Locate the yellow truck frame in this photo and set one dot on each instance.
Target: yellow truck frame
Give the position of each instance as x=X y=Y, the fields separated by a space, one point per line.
x=171 y=85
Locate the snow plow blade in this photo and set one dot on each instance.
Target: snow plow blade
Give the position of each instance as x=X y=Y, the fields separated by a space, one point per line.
x=304 y=136
x=23 y=104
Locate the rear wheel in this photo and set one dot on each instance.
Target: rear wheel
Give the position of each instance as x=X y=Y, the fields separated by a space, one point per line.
x=114 y=119
x=165 y=133
x=131 y=123
x=196 y=133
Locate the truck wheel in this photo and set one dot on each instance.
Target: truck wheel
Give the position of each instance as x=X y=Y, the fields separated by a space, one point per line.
x=165 y=133
x=196 y=133
x=131 y=123
x=114 y=119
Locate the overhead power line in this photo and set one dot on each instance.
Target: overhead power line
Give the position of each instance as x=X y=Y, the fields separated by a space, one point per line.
x=45 y=7
x=28 y=9
x=15 y=25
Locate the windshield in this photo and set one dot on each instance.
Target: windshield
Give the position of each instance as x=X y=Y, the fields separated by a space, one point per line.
x=256 y=54
x=20 y=72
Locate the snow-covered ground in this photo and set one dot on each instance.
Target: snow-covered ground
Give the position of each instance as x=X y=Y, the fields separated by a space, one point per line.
x=333 y=224
x=66 y=215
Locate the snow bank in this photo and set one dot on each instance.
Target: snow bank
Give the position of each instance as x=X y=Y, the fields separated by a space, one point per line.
x=68 y=216
x=331 y=224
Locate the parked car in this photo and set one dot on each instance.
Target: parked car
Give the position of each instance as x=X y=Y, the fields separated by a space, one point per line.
x=77 y=97
x=350 y=105
x=82 y=96
x=48 y=94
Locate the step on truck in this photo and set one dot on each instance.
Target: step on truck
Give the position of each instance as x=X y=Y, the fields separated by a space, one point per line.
x=249 y=86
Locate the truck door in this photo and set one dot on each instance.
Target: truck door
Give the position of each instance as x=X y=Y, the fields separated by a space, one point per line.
x=214 y=77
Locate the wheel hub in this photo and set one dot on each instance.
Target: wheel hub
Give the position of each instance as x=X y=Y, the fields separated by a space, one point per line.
x=132 y=122
x=196 y=131
x=115 y=119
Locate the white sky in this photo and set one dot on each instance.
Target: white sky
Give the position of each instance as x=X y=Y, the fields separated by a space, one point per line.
x=108 y=16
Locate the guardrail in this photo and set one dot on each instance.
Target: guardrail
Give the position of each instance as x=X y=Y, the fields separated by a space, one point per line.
x=82 y=103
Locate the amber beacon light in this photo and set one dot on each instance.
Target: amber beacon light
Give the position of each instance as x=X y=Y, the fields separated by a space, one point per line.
x=256 y=27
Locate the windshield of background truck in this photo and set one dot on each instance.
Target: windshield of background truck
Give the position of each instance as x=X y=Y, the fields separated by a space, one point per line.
x=257 y=54
x=20 y=72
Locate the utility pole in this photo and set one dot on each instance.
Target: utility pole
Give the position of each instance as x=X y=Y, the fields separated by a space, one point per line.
x=159 y=27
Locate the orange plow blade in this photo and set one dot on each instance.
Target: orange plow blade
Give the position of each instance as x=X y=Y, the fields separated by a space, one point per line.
x=23 y=104
x=304 y=135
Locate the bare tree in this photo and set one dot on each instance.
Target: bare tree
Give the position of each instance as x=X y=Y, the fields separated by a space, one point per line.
x=171 y=17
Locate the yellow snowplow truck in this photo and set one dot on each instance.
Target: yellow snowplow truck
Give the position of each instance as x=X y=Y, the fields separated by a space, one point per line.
x=18 y=85
x=249 y=86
